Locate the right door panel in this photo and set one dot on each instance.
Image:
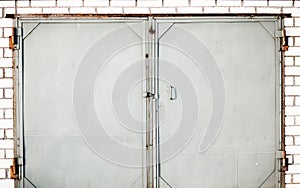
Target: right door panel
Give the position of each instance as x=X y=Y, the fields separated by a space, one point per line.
x=219 y=99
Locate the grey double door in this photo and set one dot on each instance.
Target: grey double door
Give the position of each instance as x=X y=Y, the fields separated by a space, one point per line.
x=150 y=102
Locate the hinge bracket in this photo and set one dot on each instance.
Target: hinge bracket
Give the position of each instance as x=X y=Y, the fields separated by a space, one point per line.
x=15 y=169
x=14 y=40
x=285 y=161
x=284 y=41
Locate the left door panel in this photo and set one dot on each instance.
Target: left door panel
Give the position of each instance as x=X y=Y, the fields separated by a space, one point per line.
x=82 y=87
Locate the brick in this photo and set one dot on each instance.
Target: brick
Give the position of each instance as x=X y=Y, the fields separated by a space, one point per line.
x=29 y=10
x=163 y=10
x=2 y=133
x=268 y=10
x=9 y=11
x=175 y=3
x=8 y=113
x=292 y=70
x=289 y=101
x=289 y=140
x=22 y=3
x=69 y=3
x=297 y=3
x=297 y=120
x=293 y=51
x=292 y=130
x=9 y=153
x=55 y=10
x=7 y=3
x=1 y=93
x=186 y=10
x=297 y=101
x=6 y=103
x=289 y=60
x=96 y=3
x=291 y=41
x=9 y=133
x=1 y=114
x=7 y=183
x=6 y=82
x=229 y=3
x=7 y=32
x=297 y=60
x=216 y=10
x=6 y=144
x=6 y=123
x=292 y=149
x=290 y=120
x=124 y=3
x=255 y=3
x=4 y=42
x=288 y=178
x=136 y=10
x=276 y=3
x=8 y=72
x=5 y=62
x=289 y=22
x=2 y=173
x=297 y=80
x=296 y=178
x=7 y=52
x=1 y=73
x=297 y=41
x=8 y=93
x=82 y=10
x=292 y=110
x=6 y=22
x=292 y=90
x=203 y=3
x=242 y=9
x=289 y=80
x=297 y=140
x=293 y=11
x=5 y=163
x=294 y=169
x=297 y=159
x=2 y=153
x=44 y=3
x=110 y=10
x=149 y=3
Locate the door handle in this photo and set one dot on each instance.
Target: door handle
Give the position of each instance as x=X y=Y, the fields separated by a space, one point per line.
x=173 y=93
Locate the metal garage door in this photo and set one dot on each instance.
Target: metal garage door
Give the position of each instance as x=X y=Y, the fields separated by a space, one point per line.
x=150 y=102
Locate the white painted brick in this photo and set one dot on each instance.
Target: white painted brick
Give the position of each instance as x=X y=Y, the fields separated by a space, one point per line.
x=296 y=178
x=297 y=140
x=8 y=143
x=255 y=3
x=2 y=153
x=110 y=10
x=203 y=3
x=289 y=22
x=289 y=120
x=292 y=130
x=7 y=52
x=22 y=3
x=288 y=178
x=5 y=163
x=297 y=41
x=44 y=3
x=7 y=3
x=289 y=61
x=1 y=73
x=6 y=123
x=292 y=90
x=8 y=93
x=297 y=120
x=293 y=11
x=289 y=80
x=242 y=9
x=268 y=10
x=293 y=51
x=9 y=11
x=281 y=3
x=297 y=159
x=8 y=72
x=4 y=42
x=7 y=183
x=6 y=103
x=297 y=101
x=141 y=10
x=229 y=3
x=193 y=10
x=1 y=94
x=1 y=52
x=9 y=153
x=289 y=101
x=55 y=10
x=2 y=173
x=82 y=10
x=124 y=3
x=6 y=22
x=1 y=133
x=149 y=3
x=96 y=3
x=297 y=3
x=29 y=10
x=297 y=80
x=1 y=116
x=289 y=140
x=216 y=10
x=1 y=32
x=69 y=3
x=292 y=110
x=7 y=32
x=163 y=10
x=8 y=113
x=5 y=62
x=5 y=83
x=297 y=60
x=291 y=41
x=292 y=70
x=175 y=3
x=9 y=133
x=297 y=21
x=292 y=149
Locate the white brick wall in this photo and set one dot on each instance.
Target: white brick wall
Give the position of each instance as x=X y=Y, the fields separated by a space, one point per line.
x=153 y=6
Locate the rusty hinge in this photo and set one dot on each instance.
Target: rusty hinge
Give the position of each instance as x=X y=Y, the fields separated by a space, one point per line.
x=284 y=41
x=15 y=169
x=14 y=40
x=285 y=161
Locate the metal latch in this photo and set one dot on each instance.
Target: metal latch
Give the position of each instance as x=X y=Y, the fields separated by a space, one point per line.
x=15 y=169
x=284 y=41
x=14 y=40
